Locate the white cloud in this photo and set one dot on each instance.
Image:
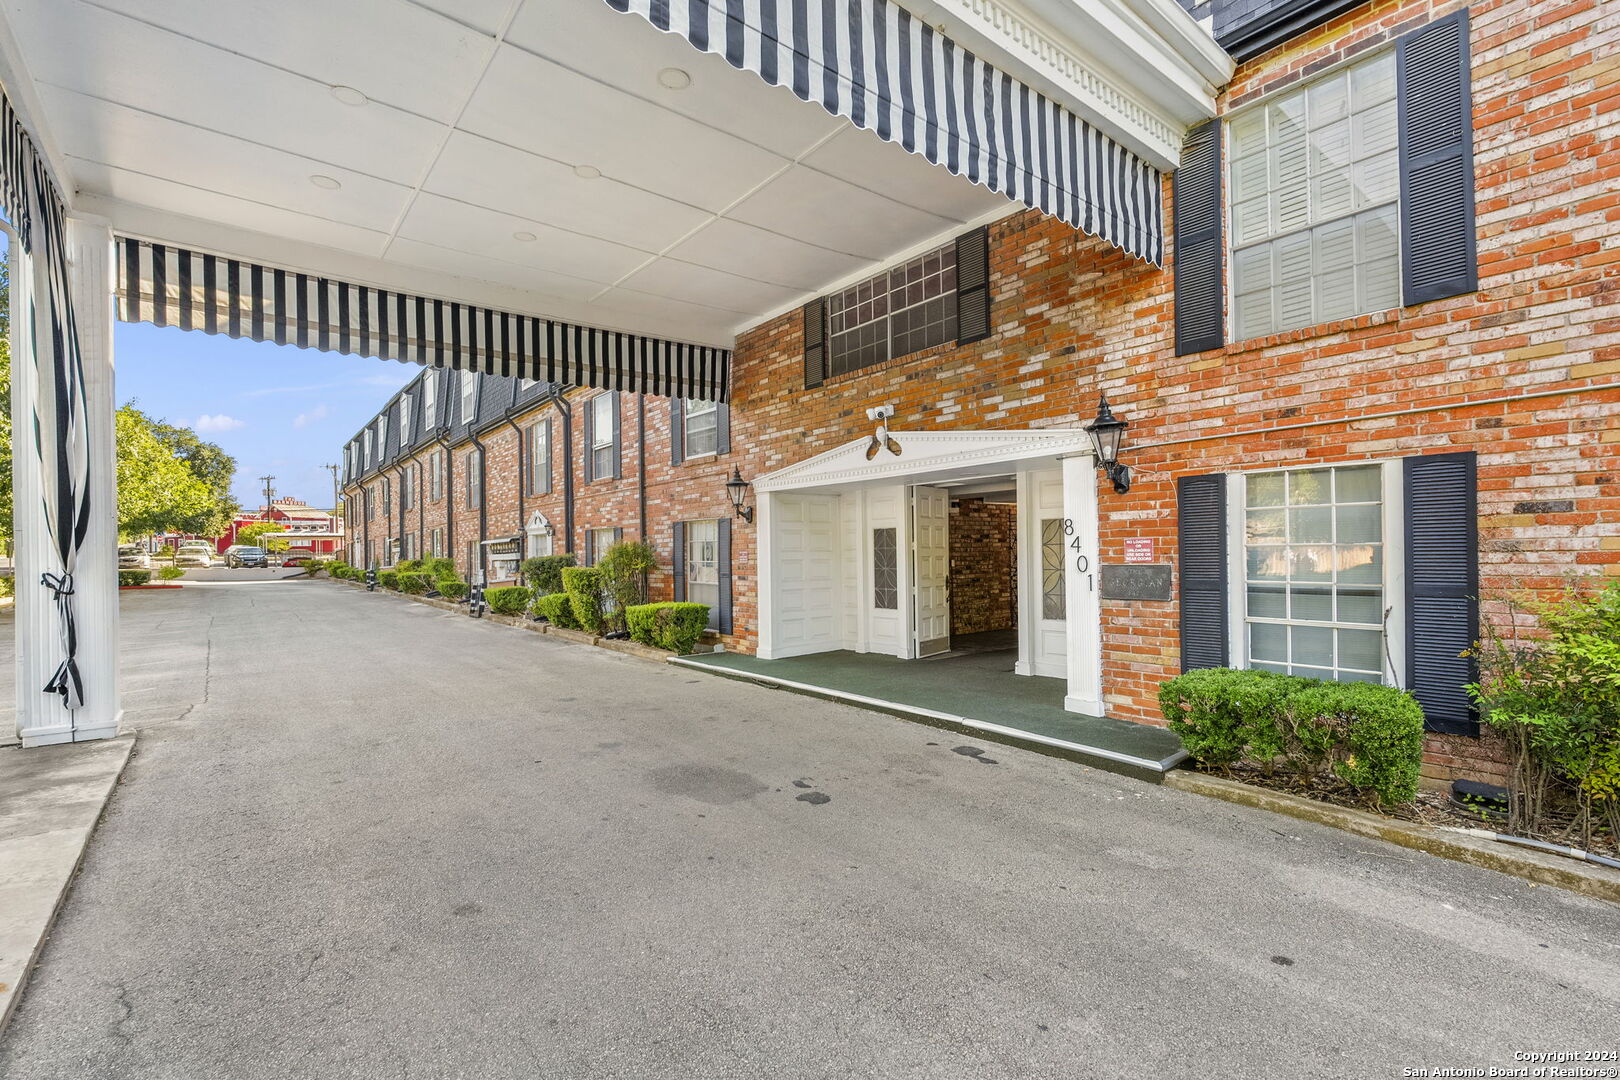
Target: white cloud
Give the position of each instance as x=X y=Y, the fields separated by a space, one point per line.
x=217 y=422
x=307 y=418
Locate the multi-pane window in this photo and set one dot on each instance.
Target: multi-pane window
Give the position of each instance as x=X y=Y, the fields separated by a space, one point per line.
x=430 y=399
x=1054 y=601
x=436 y=543
x=388 y=494
x=602 y=428
x=436 y=476
x=900 y=311
x=1314 y=572
x=382 y=434
x=700 y=428
x=597 y=541
x=703 y=567
x=469 y=387
x=537 y=450
x=390 y=552
x=475 y=479
x=366 y=458
x=474 y=565
x=885 y=569
x=407 y=487
x=1315 y=184
x=404 y=417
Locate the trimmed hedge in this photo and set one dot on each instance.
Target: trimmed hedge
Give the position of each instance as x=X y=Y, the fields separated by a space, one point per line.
x=450 y=588
x=509 y=599
x=1369 y=736
x=544 y=573
x=673 y=626
x=439 y=567
x=584 y=588
x=414 y=583
x=408 y=566
x=134 y=577
x=388 y=579
x=557 y=609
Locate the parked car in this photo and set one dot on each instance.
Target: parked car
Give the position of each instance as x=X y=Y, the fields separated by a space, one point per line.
x=133 y=557
x=195 y=553
x=247 y=556
x=296 y=558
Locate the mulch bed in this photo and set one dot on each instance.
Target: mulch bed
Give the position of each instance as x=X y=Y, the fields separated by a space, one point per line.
x=1429 y=808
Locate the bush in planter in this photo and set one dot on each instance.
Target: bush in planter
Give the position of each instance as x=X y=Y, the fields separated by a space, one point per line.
x=451 y=589
x=408 y=566
x=557 y=609
x=388 y=579
x=1372 y=735
x=584 y=590
x=622 y=576
x=509 y=599
x=1224 y=715
x=134 y=577
x=170 y=573
x=439 y=568
x=673 y=626
x=414 y=583
x=543 y=573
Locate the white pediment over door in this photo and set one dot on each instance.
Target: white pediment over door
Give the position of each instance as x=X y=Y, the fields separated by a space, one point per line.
x=926 y=457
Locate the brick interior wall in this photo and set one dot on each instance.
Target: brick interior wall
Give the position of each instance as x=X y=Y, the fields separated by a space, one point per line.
x=983 y=566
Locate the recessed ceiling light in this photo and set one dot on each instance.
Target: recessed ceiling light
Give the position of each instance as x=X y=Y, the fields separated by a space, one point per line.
x=523 y=236
x=349 y=95
x=328 y=182
x=587 y=172
x=674 y=79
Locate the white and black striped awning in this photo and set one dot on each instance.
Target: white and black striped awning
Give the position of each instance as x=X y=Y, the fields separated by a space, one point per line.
x=890 y=72
x=195 y=290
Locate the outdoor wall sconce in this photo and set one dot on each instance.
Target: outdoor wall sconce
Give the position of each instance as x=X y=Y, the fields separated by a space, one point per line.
x=1105 y=432
x=737 y=488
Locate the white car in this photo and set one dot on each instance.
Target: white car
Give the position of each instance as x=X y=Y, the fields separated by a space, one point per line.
x=194 y=554
x=133 y=557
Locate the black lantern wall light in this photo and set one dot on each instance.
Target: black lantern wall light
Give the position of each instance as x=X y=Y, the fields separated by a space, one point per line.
x=1106 y=432
x=737 y=489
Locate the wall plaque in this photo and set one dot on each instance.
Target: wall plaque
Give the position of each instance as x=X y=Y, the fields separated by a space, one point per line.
x=1136 y=582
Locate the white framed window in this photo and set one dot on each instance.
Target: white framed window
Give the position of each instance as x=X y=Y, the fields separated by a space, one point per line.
x=366 y=457
x=597 y=541
x=602 y=426
x=474 y=566
x=388 y=496
x=404 y=417
x=1054 y=598
x=700 y=428
x=540 y=543
x=436 y=475
x=475 y=479
x=703 y=567
x=1316 y=570
x=436 y=542
x=902 y=310
x=537 y=450
x=430 y=398
x=407 y=487
x=1314 y=178
x=885 y=569
x=382 y=435
x=469 y=393
x=390 y=552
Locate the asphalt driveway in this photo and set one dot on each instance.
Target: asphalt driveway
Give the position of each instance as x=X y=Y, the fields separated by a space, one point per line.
x=362 y=837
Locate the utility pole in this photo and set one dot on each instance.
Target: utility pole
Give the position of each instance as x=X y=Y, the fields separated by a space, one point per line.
x=337 y=501
x=269 y=495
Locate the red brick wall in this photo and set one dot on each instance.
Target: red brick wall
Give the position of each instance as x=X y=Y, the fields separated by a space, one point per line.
x=984 y=559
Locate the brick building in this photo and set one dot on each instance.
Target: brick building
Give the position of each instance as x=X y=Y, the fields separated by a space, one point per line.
x=1373 y=391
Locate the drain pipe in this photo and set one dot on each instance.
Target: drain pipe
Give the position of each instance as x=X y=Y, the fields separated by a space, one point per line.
x=566 y=411
x=483 y=506
x=1542 y=845
x=442 y=437
x=421 y=512
x=522 y=482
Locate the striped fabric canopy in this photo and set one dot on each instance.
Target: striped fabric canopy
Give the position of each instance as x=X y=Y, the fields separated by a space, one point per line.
x=888 y=71
x=172 y=286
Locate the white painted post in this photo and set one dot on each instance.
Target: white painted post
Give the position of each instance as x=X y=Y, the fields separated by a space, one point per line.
x=1082 y=579
x=764 y=566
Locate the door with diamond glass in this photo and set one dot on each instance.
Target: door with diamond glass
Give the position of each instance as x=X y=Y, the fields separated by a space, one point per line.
x=931 y=570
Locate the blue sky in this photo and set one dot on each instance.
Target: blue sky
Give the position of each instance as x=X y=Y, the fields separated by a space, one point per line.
x=277 y=409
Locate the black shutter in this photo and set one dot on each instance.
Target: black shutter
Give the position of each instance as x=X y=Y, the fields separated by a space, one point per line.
x=1201 y=551
x=722 y=618
x=677 y=431
x=1195 y=200
x=1437 y=162
x=618 y=448
x=815 y=342
x=677 y=562
x=588 y=464
x=973 y=286
x=1442 y=587
x=722 y=428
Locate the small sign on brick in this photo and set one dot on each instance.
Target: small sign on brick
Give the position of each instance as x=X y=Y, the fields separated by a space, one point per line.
x=1139 y=549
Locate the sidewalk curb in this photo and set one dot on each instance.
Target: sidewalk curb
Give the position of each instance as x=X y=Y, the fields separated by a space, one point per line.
x=40 y=861
x=1587 y=879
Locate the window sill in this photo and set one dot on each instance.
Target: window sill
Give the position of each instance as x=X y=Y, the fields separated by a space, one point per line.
x=1308 y=333
x=708 y=455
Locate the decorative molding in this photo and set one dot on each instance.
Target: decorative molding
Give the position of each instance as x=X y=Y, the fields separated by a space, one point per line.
x=922 y=451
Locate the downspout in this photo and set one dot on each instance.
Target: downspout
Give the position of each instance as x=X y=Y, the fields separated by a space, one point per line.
x=566 y=411
x=442 y=437
x=421 y=513
x=483 y=504
x=522 y=480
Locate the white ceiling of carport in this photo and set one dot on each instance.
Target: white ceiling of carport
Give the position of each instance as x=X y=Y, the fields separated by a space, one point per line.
x=201 y=122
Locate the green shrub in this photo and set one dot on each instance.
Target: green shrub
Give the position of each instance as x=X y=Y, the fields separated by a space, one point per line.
x=450 y=588
x=544 y=573
x=1223 y=715
x=408 y=566
x=557 y=609
x=388 y=579
x=439 y=568
x=134 y=577
x=673 y=626
x=414 y=583
x=1373 y=734
x=509 y=599
x=170 y=573
x=8 y=586
x=622 y=575
x=584 y=589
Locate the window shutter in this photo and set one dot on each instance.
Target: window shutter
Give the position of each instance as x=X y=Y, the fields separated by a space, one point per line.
x=1195 y=200
x=618 y=534
x=722 y=428
x=1437 y=162
x=1201 y=551
x=815 y=342
x=677 y=431
x=589 y=464
x=618 y=453
x=677 y=562
x=723 y=557
x=1442 y=587
x=973 y=286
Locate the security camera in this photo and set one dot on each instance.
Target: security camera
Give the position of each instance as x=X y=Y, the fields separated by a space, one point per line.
x=880 y=412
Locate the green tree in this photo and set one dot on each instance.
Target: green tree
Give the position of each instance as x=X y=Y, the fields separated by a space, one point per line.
x=210 y=464
x=157 y=490
x=251 y=533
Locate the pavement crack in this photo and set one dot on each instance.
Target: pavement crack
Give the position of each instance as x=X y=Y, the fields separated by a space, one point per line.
x=117 y=1029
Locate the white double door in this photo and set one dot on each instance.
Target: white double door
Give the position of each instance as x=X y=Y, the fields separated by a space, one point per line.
x=930 y=570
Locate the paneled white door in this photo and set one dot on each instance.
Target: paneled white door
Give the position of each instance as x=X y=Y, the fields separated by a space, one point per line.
x=931 y=570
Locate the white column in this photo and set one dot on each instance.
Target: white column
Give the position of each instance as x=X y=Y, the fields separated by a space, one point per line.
x=1082 y=579
x=41 y=717
x=764 y=568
